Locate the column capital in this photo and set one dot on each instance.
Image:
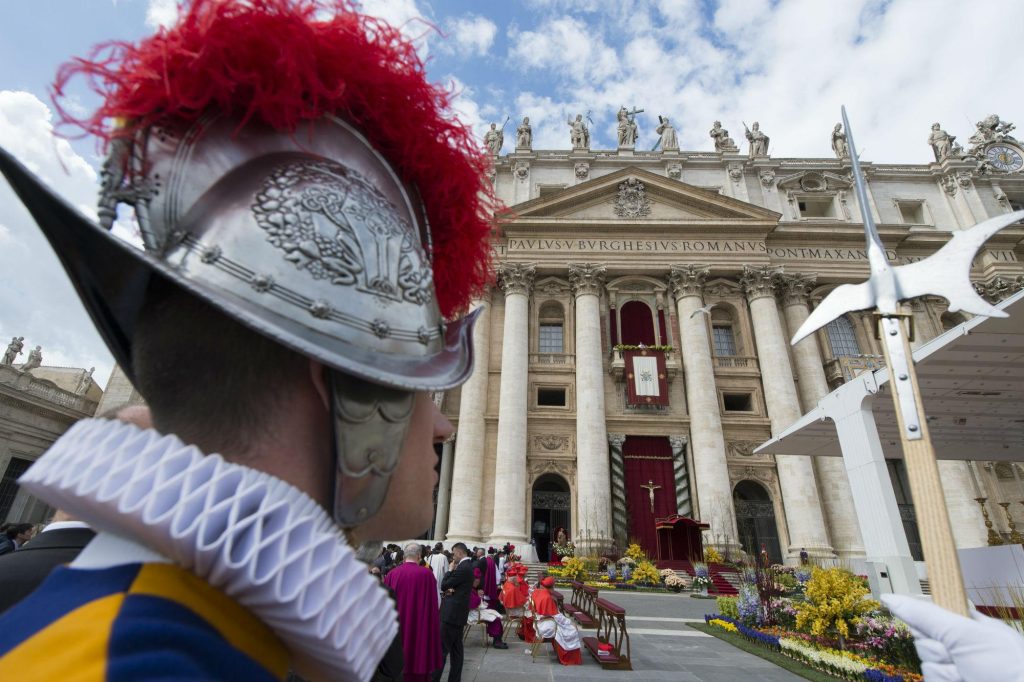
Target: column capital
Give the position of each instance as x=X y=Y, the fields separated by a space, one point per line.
x=687 y=280
x=616 y=440
x=586 y=278
x=677 y=443
x=796 y=289
x=516 y=278
x=760 y=281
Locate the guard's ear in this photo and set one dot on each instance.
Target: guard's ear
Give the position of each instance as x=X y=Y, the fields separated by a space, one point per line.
x=318 y=375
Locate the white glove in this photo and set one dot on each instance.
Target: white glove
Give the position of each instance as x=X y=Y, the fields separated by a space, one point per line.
x=957 y=649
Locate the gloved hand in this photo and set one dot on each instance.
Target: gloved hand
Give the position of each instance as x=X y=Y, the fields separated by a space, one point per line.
x=957 y=649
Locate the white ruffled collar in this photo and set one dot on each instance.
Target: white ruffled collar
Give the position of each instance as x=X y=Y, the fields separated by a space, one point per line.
x=260 y=540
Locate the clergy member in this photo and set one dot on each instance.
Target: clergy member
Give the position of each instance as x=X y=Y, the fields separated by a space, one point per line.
x=513 y=598
x=550 y=623
x=438 y=563
x=419 y=621
x=480 y=610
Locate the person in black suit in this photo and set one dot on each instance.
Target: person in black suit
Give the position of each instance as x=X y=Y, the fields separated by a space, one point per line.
x=455 y=588
x=22 y=572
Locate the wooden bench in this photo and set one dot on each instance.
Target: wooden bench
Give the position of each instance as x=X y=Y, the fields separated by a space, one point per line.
x=611 y=629
x=582 y=608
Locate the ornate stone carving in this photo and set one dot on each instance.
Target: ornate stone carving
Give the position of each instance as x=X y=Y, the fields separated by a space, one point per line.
x=723 y=143
x=675 y=170
x=552 y=287
x=989 y=130
x=582 y=170
x=963 y=178
x=736 y=171
x=839 y=146
x=14 y=349
x=619 y=514
x=668 y=139
x=760 y=281
x=566 y=468
x=796 y=289
x=551 y=442
x=813 y=182
x=521 y=169
x=767 y=177
x=758 y=141
x=494 y=139
x=35 y=359
x=616 y=440
x=625 y=127
x=687 y=280
x=516 y=278
x=949 y=184
x=678 y=442
x=579 y=134
x=999 y=288
x=586 y=278
x=632 y=201
x=742 y=448
x=943 y=144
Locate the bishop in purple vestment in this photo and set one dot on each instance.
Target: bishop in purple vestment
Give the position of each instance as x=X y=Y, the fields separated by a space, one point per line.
x=415 y=591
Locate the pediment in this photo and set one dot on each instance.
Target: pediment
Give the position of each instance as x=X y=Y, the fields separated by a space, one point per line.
x=633 y=194
x=814 y=181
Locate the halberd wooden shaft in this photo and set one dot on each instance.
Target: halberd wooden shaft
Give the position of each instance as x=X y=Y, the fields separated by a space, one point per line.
x=944 y=576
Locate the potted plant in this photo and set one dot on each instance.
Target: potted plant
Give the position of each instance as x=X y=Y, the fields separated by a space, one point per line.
x=702 y=579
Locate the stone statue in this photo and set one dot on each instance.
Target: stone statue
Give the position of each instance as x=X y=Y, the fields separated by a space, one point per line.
x=723 y=143
x=524 y=134
x=494 y=139
x=35 y=358
x=942 y=143
x=579 y=135
x=14 y=349
x=626 y=128
x=758 y=140
x=839 y=146
x=83 y=383
x=669 y=141
x=991 y=129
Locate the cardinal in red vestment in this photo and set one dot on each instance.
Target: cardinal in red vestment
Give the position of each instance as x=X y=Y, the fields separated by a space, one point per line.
x=415 y=591
x=550 y=623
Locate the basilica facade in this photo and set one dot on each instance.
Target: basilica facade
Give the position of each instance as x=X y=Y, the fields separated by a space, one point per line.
x=635 y=348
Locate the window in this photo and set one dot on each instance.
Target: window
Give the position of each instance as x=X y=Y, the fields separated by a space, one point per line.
x=737 y=402
x=816 y=207
x=842 y=338
x=9 y=484
x=723 y=340
x=912 y=212
x=551 y=397
x=551 y=338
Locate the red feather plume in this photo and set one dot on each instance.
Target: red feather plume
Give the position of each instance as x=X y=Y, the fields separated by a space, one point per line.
x=286 y=62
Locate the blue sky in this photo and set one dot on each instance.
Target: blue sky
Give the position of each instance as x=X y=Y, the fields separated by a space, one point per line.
x=898 y=65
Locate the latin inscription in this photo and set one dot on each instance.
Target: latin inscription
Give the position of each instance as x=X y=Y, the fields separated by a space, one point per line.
x=695 y=246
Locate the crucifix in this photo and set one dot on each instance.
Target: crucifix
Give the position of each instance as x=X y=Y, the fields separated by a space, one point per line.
x=945 y=273
x=650 y=487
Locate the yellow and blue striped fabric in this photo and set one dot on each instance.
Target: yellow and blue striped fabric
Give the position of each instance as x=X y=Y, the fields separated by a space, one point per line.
x=135 y=622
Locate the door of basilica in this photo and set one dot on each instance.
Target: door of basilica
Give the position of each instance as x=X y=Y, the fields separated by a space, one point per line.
x=650 y=487
x=552 y=504
x=755 y=521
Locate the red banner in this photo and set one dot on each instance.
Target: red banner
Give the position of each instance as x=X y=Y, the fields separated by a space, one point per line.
x=646 y=377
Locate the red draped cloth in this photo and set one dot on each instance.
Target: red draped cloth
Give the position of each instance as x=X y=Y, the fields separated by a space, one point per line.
x=416 y=600
x=648 y=459
x=545 y=605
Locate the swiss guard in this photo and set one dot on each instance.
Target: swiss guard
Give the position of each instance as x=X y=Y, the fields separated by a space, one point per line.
x=315 y=224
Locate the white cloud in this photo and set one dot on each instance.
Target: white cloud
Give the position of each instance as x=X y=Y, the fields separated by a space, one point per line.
x=37 y=299
x=471 y=35
x=406 y=16
x=161 y=13
x=899 y=66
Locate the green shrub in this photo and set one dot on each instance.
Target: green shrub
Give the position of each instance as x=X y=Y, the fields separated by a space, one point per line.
x=786 y=580
x=727 y=607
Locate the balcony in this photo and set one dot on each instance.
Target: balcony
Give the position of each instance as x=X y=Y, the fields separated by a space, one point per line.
x=844 y=368
x=618 y=368
x=735 y=364
x=553 y=359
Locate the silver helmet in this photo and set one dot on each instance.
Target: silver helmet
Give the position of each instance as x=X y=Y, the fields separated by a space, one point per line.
x=309 y=238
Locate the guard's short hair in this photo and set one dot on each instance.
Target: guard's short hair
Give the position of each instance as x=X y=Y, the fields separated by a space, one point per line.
x=461 y=546
x=206 y=377
x=16 y=529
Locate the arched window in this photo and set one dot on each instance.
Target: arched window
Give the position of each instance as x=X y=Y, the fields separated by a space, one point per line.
x=637 y=324
x=950 y=320
x=551 y=330
x=842 y=338
x=723 y=337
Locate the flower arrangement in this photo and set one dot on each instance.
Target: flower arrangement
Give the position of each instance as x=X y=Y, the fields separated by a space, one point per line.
x=675 y=583
x=839 y=663
x=635 y=552
x=712 y=555
x=573 y=568
x=628 y=346
x=724 y=624
x=665 y=573
x=802 y=575
x=645 y=573
x=748 y=606
x=889 y=639
x=701 y=577
x=627 y=561
x=727 y=607
x=563 y=549
x=836 y=599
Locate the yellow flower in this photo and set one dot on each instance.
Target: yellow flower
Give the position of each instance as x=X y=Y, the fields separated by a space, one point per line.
x=835 y=600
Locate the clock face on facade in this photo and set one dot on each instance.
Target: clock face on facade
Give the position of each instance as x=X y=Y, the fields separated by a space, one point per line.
x=1004 y=157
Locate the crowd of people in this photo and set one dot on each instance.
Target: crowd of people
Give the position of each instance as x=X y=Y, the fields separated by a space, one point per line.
x=440 y=592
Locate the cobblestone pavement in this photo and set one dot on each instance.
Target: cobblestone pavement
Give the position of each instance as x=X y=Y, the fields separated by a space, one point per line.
x=663 y=647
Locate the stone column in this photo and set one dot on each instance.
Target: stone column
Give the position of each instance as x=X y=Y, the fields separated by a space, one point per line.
x=444 y=488
x=833 y=481
x=681 y=475
x=804 y=514
x=711 y=469
x=463 y=522
x=510 y=470
x=593 y=473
